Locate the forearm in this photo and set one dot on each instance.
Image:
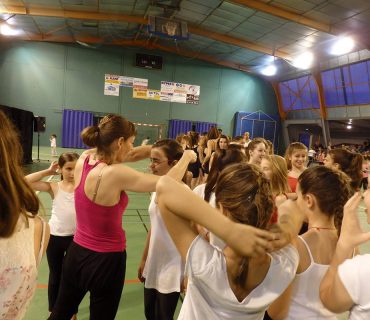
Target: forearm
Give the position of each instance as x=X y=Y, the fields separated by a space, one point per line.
x=146 y=247
x=37 y=176
x=290 y=222
x=177 y=172
x=138 y=153
x=168 y=193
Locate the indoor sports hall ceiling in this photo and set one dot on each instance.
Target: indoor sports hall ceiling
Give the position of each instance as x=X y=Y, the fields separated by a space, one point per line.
x=241 y=34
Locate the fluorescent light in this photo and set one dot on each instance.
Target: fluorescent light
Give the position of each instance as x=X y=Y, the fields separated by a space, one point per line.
x=342 y=46
x=7 y=30
x=349 y=127
x=269 y=70
x=304 y=60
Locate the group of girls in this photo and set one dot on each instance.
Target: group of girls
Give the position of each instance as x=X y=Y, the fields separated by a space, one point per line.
x=237 y=257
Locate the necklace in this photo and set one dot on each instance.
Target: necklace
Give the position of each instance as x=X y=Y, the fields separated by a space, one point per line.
x=321 y=228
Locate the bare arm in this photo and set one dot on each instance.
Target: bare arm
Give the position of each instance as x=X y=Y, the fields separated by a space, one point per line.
x=143 y=257
x=179 y=206
x=333 y=294
x=35 y=179
x=209 y=151
x=138 y=153
x=141 y=182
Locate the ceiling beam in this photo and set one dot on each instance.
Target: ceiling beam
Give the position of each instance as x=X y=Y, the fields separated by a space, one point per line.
x=285 y=14
x=136 y=43
x=83 y=15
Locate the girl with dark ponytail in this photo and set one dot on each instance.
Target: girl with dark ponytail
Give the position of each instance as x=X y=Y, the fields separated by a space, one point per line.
x=348 y=162
x=322 y=194
x=238 y=281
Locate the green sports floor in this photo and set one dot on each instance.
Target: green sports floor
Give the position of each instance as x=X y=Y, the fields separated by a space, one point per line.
x=136 y=223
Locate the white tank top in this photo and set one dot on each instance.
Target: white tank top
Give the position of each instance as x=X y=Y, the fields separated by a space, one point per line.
x=63 y=214
x=305 y=302
x=18 y=269
x=163 y=269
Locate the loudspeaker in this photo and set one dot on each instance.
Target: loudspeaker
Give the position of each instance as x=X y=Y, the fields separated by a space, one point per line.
x=39 y=124
x=148 y=61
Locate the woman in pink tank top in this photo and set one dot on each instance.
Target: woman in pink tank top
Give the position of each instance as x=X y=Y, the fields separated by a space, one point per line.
x=96 y=259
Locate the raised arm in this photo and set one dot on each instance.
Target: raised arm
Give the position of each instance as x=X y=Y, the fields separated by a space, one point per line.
x=333 y=294
x=35 y=179
x=179 y=206
x=138 y=153
x=142 y=182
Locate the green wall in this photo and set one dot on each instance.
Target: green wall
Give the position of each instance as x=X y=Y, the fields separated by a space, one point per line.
x=45 y=78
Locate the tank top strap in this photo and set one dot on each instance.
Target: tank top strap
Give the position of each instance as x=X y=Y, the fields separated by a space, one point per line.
x=308 y=249
x=87 y=168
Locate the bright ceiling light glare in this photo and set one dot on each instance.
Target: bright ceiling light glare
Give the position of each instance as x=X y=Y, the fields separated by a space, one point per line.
x=304 y=60
x=7 y=30
x=342 y=46
x=349 y=127
x=269 y=70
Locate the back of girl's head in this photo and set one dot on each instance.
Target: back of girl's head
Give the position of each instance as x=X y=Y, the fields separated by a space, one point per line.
x=212 y=133
x=253 y=144
x=350 y=163
x=279 y=177
x=242 y=190
x=220 y=161
x=292 y=148
x=110 y=128
x=16 y=196
x=171 y=149
x=331 y=189
x=179 y=137
x=194 y=137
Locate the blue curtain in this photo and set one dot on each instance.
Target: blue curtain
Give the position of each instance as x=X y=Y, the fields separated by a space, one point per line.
x=73 y=123
x=178 y=126
x=204 y=126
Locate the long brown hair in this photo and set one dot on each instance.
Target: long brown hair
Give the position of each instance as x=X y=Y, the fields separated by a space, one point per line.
x=331 y=189
x=350 y=163
x=246 y=195
x=253 y=144
x=220 y=161
x=110 y=128
x=279 y=177
x=16 y=196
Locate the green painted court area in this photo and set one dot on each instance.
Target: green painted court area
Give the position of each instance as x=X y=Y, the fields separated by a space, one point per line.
x=136 y=223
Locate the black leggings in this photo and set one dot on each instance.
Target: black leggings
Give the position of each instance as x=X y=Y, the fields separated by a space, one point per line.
x=57 y=249
x=160 y=306
x=100 y=273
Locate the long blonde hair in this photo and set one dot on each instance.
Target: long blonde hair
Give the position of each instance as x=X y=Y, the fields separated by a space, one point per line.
x=16 y=196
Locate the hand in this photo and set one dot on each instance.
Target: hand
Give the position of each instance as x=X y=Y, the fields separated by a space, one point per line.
x=191 y=154
x=352 y=234
x=140 y=271
x=249 y=241
x=54 y=167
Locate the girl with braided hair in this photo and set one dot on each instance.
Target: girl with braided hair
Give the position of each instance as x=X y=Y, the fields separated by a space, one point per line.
x=238 y=281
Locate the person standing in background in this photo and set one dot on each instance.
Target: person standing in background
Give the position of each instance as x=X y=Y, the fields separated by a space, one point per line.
x=53 y=145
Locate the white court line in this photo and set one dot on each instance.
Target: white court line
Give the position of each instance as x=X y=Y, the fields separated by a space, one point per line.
x=48 y=180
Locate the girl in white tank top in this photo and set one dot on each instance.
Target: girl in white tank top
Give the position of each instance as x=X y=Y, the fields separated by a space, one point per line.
x=63 y=215
x=322 y=194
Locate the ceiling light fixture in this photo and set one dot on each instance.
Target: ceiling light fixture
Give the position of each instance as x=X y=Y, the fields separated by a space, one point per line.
x=304 y=60
x=349 y=127
x=269 y=70
x=7 y=30
x=342 y=46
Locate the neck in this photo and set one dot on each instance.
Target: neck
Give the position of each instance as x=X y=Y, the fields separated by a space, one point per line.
x=321 y=221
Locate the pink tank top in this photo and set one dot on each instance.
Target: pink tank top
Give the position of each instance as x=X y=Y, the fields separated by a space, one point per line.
x=99 y=228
